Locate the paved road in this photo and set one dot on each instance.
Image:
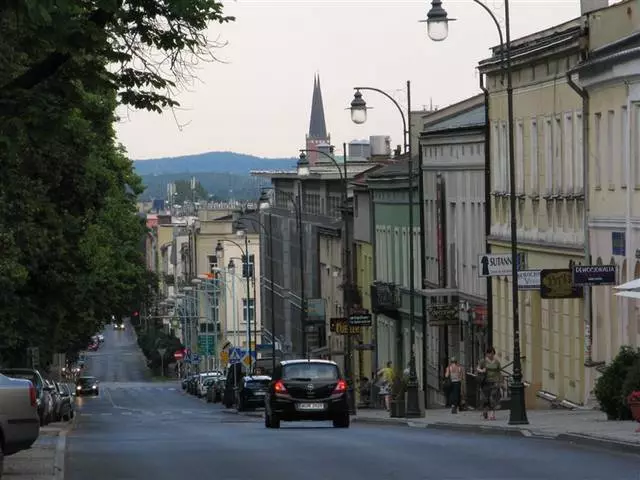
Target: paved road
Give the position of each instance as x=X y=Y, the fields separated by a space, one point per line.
x=141 y=430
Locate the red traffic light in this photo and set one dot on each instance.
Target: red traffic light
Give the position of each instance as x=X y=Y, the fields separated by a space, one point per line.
x=135 y=314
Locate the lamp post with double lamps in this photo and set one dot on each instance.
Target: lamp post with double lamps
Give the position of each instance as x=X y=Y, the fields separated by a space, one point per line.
x=248 y=272
x=438 y=29
x=359 y=116
x=347 y=300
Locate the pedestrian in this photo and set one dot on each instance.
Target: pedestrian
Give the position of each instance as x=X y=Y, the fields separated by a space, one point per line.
x=385 y=380
x=490 y=376
x=455 y=374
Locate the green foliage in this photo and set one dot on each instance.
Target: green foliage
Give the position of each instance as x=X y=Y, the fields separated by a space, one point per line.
x=150 y=340
x=611 y=389
x=70 y=238
x=632 y=380
x=399 y=384
x=184 y=192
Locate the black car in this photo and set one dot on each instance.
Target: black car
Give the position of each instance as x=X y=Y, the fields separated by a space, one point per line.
x=251 y=392
x=307 y=390
x=87 y=386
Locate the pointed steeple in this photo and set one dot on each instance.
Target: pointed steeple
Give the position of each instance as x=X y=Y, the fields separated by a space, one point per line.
x=317 y=124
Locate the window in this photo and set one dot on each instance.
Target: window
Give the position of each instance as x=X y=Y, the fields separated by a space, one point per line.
x=504 y=157
x=597 y=127
x=624 y=125
x=548 y=156
x=557 y=155
x=496 y=163
x=578 y=169
x=251 y=309
x=568 y=152
x=610 y=147
x=635 y=135
x=534 y=156
x=310 y=371
x=213 y=263
x=519 y=163
x=248 y=267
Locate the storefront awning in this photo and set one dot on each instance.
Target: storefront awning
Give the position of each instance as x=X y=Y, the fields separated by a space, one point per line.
x=629 y=294
x=632 y=285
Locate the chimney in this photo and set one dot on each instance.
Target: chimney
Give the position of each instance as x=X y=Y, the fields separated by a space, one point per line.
x=588 y=6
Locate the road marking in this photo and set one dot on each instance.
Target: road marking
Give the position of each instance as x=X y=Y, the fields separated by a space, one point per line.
x=106 y=413
x=166 y=413
x=186 y=412
x=172 y=389
x=86 y=414
x=126 y=413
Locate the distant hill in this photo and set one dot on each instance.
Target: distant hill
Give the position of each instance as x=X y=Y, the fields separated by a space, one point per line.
x=239 y=186
x=218 y=162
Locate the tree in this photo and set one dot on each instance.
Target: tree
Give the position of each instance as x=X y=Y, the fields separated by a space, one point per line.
x=70 y=235
x=184 y=191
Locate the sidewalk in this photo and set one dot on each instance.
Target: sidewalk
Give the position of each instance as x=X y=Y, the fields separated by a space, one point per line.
x=43 y=461
x=587 y=427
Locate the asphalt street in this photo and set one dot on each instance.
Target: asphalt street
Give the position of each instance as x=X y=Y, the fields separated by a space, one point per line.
x=141 y=430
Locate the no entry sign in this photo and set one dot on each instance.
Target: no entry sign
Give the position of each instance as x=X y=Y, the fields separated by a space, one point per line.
x=179 y=355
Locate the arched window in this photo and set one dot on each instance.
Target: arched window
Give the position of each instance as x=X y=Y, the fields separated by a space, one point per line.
x=599 y=261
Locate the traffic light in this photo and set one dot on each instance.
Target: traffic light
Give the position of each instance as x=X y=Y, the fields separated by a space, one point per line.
x=136 y=314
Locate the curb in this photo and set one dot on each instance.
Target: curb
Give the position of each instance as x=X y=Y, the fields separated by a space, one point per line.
x=244 y=414
x=605 y=444
x=58 y=462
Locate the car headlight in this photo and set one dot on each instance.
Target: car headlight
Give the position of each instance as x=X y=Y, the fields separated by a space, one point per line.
x=94 y=387
x=78 y=387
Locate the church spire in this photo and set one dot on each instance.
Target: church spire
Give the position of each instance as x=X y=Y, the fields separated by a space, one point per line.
x=317 y=124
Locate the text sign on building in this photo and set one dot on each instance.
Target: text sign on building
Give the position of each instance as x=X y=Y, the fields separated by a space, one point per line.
x=557 y=283
x=360 y=320
x=315 y=309
x=341 y=326
x=442 y=314
x=529 y=280
x=498 y=265
x=586 y=275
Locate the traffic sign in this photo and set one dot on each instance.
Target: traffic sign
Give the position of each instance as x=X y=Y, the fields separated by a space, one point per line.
x=179 y=355
x=195 y=358
x=162 y=351
x=249 y=360
x=224 y=357
x=205 y=344
x=235 y=355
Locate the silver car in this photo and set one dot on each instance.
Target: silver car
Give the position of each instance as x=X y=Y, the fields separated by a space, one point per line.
x=19 y=421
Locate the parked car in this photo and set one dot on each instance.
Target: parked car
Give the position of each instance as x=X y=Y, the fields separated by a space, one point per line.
x=56 y=398
x=87 y=386
x=19 y=420
x=43 y=393
x=251 y=392
x=205 y=385
x=67 y=402
x=307 y=390
x=215 y=390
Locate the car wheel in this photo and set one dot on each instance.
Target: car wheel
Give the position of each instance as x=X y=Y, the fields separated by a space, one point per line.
x=267 y=421
x=275 y=421
x=341 y=422
x=97 y=392
x=1 y=458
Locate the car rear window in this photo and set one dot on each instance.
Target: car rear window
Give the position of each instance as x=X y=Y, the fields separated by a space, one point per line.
x=255 y=384
x=310 y=371
x=86 y=381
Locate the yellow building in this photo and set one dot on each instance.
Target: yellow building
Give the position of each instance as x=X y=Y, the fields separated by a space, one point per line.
x=550 y=192
x=611 y=79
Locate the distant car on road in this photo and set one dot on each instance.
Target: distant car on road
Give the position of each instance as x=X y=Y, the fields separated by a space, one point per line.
x=87 y=386
x=307 y=390
x=118 y=325
x=19 y=420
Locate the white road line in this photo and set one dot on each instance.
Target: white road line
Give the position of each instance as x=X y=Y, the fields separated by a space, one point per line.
x=186 y=412
x=106 y=413
x=126 y=413
x=86 y=414
x=172 y=389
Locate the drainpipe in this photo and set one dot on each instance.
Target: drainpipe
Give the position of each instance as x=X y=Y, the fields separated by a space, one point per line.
x=588 y=314
x=487 y=205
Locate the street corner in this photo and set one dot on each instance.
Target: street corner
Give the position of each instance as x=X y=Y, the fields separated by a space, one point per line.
x=616 y=446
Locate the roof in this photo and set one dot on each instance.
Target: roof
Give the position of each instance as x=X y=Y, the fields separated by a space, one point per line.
x=309 y=360
x=474 y=117
x=257 y=377
x=317 y=124
x=398 y=169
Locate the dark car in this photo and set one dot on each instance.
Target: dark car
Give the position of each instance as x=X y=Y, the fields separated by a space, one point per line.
x=43 y=394
x=215 y=390
x=57 y=400
x=67 y=410
x=252 y=391
x=87 y=386
x=307 y=390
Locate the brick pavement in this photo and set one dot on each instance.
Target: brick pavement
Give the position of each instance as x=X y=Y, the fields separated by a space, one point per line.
x=43 y=461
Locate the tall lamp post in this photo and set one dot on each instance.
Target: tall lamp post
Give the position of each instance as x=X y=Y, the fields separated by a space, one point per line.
x=438 y=28
x=303 y=170
x=263 y=204
x=245 y=253
x=359 y=116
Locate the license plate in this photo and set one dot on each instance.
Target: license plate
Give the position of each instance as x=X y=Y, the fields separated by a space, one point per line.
x=311 y=406
x=259 y=394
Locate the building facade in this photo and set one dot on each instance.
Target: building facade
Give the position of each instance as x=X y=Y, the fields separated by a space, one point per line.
x=453 y=170
x=610 y=76
x=550 y=203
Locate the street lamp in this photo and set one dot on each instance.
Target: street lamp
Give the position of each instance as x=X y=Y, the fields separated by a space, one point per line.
x=245 y=253
x=437 y=22
x=264 y=204
x=303 y=165
x=347 y=287
x=518 y=411
x=413 y=401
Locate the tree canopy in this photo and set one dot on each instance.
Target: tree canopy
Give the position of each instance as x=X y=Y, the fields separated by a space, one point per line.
x=70 y=239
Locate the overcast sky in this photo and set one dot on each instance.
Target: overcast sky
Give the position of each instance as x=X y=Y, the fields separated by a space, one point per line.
x=258 y=102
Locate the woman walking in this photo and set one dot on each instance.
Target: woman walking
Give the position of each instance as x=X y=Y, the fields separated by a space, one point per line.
x=455 y=374
x=491 y=374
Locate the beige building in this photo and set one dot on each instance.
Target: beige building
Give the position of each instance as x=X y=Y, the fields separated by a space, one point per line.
x=611 y=79
x=550 y=191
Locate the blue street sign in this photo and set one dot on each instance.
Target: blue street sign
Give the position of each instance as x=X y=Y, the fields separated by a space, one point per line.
x=235 y=355
x=195 y=358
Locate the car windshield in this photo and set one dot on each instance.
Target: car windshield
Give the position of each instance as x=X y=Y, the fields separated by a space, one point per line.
x=209 y=381
x=310 y=371
x=87 y=381
x=256 y=384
